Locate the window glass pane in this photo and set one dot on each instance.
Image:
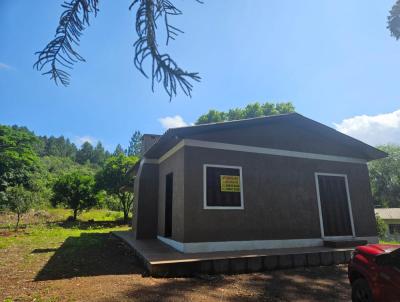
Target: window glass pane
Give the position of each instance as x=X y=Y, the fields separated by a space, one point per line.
x=223 y=187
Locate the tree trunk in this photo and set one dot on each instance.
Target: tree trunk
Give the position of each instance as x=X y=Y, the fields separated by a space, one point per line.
x=124 y=207
x=18 y=218
x=126 y=216
x=75 y=214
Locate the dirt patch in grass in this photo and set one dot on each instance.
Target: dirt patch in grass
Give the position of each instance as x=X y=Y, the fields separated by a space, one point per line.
x=6 y=233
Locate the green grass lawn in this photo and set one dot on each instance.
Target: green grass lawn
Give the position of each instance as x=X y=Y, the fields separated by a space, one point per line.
x=50 y=226
x=388 y=242
x=96 y=214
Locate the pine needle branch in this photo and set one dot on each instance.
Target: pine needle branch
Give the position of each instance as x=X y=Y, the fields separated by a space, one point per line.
x=164 y=69
x=60 y=53
x=394 y=20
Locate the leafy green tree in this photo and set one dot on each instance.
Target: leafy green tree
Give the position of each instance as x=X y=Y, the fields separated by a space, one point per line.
x=57 y=146
x=53 y=167
x=108 y=201
x=18 y=200
x=385 y=178
x=381 y=227
x=114 y=177
x=119 y=150
x=235 y=114
x=284 y=108
x=135 y=144
x=18 y=159
x=212 y=116
x=76 y=190
x=251 y=110
x=58 y=166
x=85 y=153
x=99 y=154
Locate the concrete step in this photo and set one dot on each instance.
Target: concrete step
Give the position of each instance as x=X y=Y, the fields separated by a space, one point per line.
x=344 y=243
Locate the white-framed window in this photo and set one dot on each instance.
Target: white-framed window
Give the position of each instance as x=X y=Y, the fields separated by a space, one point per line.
x=222 y=187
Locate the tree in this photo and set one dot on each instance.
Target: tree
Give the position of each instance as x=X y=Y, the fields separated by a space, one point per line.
x=250 y=111
x=59 y=54
x=99 y=154
x=18 y=200
x=381 y=227
x=113 y=177
x=254 y=110
x=85 y=153
x=135 y=144
x=385 y=178
x=118 y=150
x=213 y=116
x=75 y=190
x=18 y=159
x=57 y=146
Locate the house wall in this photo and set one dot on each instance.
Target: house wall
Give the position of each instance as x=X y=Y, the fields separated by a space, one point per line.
x=174 y=164
x=280 y=199
x=145 y=205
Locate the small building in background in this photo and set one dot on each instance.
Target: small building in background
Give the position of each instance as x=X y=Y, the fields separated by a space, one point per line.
x=391 y=216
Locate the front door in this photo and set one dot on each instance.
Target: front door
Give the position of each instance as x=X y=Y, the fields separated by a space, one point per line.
x=334 y=205
x=168 y=205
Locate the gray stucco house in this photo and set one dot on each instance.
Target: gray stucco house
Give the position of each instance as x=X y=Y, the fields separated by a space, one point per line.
x=270 y=182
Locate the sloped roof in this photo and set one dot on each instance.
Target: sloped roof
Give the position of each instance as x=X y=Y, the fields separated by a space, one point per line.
x=388 y=213
x=173 y=135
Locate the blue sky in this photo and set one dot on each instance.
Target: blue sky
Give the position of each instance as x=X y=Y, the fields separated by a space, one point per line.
x=335 y=60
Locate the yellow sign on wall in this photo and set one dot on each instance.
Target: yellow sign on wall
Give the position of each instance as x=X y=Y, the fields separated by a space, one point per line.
x=230 y=183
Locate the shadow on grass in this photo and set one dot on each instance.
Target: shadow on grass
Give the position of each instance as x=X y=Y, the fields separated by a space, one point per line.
x=90 y=254
x=43 y=251
x=86 y=225
x=81 y=225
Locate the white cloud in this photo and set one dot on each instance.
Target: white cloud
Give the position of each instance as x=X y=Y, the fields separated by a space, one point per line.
x=79 y=140
x=172 y=121
x=5 y=66
x=373 y=129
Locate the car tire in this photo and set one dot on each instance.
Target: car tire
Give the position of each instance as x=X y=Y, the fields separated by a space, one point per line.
x=361 y=291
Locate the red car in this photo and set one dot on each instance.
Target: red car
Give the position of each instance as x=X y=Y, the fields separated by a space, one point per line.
x=374 y=273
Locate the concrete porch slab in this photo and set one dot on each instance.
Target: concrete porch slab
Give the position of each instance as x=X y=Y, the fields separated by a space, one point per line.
x=161 y=260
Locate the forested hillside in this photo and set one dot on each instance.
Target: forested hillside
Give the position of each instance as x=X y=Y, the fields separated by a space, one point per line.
x=40 y=171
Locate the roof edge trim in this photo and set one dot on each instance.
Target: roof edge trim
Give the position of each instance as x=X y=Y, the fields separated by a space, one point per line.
x=258 y=150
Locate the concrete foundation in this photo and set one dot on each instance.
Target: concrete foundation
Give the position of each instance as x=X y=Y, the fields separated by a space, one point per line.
x=162 y=260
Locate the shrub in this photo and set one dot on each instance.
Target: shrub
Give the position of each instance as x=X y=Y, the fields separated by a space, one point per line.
x=17 y=200
x=381 y=227
x=76 y=191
